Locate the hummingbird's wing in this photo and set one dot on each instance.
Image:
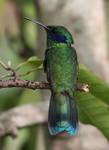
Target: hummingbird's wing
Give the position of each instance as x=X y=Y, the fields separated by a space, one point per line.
x=45 y=65
x=75 y=67
x=46 y=69
x=45 y=62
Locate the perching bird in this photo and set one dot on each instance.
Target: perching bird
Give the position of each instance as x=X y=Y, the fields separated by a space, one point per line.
x=61 y=67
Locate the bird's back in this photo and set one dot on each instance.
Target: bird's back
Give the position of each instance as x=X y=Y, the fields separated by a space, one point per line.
x=62 y=70
x=62 y=67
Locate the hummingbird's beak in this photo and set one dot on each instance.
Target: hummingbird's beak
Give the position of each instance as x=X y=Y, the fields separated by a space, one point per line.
x=36 y=22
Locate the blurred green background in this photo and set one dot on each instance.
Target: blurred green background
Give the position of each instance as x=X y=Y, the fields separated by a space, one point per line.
x=88 y=21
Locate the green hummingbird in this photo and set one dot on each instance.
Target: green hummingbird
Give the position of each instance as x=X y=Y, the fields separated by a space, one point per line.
x=61 y=67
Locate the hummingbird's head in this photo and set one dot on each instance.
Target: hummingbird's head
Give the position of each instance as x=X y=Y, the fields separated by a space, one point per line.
x=55 y=34
x=59 y=34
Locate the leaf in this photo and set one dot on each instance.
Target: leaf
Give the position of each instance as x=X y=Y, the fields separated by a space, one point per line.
x=94 y=106
x=98 y=87
x=34 y=61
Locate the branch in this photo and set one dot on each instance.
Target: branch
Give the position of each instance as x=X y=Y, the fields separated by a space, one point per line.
x=34 y=85
x=19 y=117
x=15 y=80
x=13 y=74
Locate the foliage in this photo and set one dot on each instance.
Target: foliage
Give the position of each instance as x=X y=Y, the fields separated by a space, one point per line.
x=94 y=106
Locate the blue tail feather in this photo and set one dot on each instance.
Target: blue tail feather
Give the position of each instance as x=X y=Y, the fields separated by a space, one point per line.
x=69 y=129
x=63 y=115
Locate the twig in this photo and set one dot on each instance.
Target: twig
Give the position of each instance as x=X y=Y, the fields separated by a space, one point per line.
x=13 y=74
x=5 y=76
x=17 y=82
x=35 y=85
x=4 y=65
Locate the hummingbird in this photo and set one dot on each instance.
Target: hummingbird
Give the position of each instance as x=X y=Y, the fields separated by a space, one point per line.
x=61 y=66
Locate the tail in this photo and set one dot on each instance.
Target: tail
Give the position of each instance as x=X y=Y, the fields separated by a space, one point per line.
x=63 y=115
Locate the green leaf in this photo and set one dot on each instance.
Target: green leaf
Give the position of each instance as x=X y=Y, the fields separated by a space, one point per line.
x=94 y=106
x=98 y=87
x=34 y=61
